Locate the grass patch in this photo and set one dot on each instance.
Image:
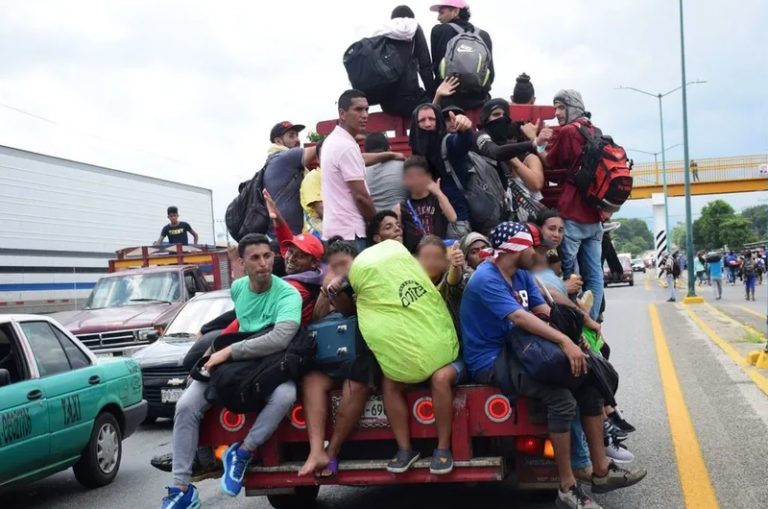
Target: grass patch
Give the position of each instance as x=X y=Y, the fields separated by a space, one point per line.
x=753 y=336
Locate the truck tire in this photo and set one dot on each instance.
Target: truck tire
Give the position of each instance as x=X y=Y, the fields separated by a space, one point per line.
x=304 y=497
x=100 y=460
x=632 y=283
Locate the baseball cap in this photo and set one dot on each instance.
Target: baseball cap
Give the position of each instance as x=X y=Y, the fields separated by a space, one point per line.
x=453 y=108
x=307 y=243
x=459 y=4
x=283 y=127
x=511 y=237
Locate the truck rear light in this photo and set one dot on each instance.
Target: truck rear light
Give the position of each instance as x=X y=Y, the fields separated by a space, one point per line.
x=423 y=410
x=231 y=421
x=497 y=408
x=219 y=451
x=298 y=420
x=549 y=449
x=530 y=445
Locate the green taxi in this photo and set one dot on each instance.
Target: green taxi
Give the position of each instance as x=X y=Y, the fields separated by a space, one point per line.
x=60 y=407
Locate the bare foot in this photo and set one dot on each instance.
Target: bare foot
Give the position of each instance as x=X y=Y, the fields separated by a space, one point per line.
x=314 y=463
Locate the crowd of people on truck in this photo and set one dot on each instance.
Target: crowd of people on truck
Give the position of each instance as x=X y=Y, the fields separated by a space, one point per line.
x=445 y=288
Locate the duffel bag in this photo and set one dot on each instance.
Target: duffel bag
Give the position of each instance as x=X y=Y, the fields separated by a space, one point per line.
x=336 y=340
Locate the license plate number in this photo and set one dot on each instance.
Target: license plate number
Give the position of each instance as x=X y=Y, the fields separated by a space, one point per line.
x=104 y=355
x=170 y=395
x=373 y=414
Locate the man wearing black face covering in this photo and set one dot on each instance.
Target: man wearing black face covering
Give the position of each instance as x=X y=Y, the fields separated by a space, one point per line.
x=493 y=137
x=428 y=129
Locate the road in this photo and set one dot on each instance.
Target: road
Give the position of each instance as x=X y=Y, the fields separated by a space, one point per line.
x=701 y=417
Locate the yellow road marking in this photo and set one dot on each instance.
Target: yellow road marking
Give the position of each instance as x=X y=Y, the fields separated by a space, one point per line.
x=744 y=326
x=760 y=380
x=694 y=478
x=752 y=312
x=727 y=348
x=647 y=282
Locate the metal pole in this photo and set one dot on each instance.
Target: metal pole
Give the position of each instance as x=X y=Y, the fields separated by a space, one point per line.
x=688 y=224
x=664 y=178
x=656 y=168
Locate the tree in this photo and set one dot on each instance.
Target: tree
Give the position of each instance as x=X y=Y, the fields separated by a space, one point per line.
x=678 y=235
x=758 y=216
x=708 y=228
x=737 y=231
x=633 y=236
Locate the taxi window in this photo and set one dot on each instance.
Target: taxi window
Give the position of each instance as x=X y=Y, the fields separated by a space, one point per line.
x=48 y=352
x=77 y=359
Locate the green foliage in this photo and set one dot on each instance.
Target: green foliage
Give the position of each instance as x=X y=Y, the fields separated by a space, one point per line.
x=678 y=235
x=737 y=231
x=314 y=137
x=719 y=226
x=632 y=237
x=758 y=216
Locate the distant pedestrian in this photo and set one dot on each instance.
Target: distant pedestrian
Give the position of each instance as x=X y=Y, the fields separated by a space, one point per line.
x=760 y=268
x=732 y=265
x=695 y=170
x=176 y=230
x=716 y=276
x=698 y=267
x=671 y=269
x=748 y=270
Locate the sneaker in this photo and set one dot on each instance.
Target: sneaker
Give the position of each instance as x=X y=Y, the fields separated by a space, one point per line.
x=177 y=499
x=402 y=461
x=616 y=451
x=618 y=421
x=236 y=462
x=610 y=430
x=617 y=477
x=441 y=462
x=670 y=300
x=575 y=498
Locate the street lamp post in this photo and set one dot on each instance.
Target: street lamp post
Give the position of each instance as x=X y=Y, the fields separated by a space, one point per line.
x=660 y=96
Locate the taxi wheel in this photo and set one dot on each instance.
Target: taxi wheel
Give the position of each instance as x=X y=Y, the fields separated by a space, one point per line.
x=100 y=460
x=304 y=497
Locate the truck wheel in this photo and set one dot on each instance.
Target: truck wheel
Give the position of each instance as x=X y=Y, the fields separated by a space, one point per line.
x=304 y=497
x=100 y=460
x=632 y=283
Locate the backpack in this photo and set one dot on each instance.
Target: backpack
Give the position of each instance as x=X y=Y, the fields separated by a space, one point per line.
x=244 y=386
x=603 y=178
x=675 y=268
x=247 y=213
x=484 y=191
x=749 y=266
x=468 y=58
x=374 y=64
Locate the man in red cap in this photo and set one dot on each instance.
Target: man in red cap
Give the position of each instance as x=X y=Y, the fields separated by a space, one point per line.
x=284 y=171
x=303 y=254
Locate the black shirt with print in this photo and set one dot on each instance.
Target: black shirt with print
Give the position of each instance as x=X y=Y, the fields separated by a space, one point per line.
x=177 y=234
x=431 y=220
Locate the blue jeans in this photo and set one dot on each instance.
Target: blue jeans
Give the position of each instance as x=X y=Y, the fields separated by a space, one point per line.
x=587 y=240
x=579 y=449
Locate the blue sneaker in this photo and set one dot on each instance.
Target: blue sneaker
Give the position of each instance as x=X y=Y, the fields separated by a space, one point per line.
x=177 y=499
x=236 y=462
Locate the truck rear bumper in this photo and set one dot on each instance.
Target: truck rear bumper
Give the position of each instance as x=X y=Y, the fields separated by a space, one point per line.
x=134 y=415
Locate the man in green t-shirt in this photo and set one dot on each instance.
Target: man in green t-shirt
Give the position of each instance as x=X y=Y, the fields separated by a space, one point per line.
x=261 y=299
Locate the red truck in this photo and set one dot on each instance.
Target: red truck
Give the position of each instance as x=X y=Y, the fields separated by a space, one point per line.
x=146 y=288
x=493 y=438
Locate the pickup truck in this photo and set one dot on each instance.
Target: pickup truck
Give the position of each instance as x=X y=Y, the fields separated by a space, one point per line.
x=130 y=307
x=59 y=407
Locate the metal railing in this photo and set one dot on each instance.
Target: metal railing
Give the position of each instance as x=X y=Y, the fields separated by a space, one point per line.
x=716 y=169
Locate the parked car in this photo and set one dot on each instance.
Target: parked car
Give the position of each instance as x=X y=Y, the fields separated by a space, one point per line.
x=61 y=408
x=161 y=362
x=627 y=276
x=638 y=265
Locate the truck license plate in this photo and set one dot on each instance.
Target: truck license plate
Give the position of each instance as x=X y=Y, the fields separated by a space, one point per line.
x=170 y=395
x=373 y=415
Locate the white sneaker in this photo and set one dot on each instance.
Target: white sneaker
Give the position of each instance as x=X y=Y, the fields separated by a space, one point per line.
x=575 y=498
x=618 y=452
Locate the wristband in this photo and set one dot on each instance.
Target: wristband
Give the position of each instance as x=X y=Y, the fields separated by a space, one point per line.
x=540 y=148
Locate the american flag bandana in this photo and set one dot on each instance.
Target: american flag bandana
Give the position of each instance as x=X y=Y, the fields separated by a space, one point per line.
x=509 y=237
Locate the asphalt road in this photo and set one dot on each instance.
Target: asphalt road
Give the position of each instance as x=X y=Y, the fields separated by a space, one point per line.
x=728 y=412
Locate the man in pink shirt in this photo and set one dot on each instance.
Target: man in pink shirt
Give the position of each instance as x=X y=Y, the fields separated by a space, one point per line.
x=347 y=203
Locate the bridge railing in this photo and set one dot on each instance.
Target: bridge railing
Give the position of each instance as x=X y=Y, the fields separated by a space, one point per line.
x=716 y=169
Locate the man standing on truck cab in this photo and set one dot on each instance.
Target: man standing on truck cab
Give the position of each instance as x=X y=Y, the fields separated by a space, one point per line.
x=262 y=299
x=499 y=303
x=176 y=230
x=284 y=171
x=347 y=203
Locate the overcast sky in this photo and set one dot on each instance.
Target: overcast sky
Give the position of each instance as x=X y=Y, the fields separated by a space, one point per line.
x=189 y=90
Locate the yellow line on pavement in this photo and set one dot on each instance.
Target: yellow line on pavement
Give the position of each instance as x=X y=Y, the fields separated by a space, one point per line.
x=647 y=282
x=694 y=478
x=744 y=326
x=727 y=348
x=760 y=380
x=752 y=312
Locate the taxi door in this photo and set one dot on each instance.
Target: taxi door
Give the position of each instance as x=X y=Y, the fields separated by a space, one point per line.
x=73 y=385
x=24 y=438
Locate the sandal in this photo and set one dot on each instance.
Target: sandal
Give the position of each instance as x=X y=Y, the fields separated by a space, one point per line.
x=332 y=468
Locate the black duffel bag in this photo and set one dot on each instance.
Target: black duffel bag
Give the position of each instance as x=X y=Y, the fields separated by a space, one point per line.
x=244 y=386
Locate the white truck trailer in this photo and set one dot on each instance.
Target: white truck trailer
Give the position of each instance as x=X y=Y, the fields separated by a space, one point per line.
x=61 y=221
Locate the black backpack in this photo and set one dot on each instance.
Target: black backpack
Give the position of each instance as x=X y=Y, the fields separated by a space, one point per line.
x=373 y=65
x=244 y=386
x=488 y=205
x=247 y=213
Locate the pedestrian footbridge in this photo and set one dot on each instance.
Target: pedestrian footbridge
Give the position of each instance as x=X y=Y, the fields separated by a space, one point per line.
x=717 y=175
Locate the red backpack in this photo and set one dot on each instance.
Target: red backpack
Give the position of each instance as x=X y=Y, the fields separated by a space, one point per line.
x=603 y=178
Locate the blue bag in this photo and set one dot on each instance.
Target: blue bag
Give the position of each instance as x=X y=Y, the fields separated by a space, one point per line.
x=335 y=336
x=543 y=360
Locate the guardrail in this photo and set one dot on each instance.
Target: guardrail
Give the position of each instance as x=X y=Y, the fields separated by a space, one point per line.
x=716 y=169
